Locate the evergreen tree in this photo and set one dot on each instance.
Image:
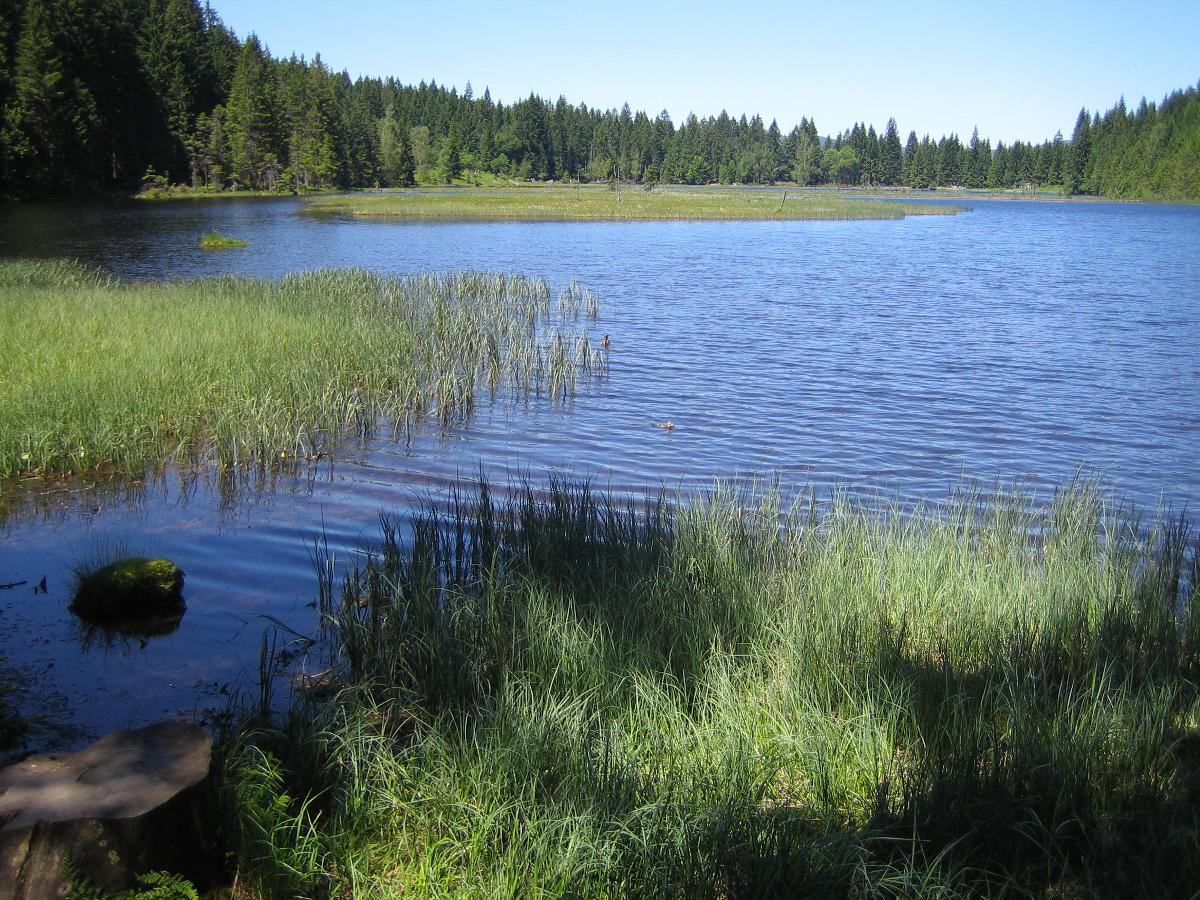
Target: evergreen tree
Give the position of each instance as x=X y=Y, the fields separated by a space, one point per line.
x=1078 y=156
x=452 y=166
x=807 y=169
x=311 y=154
x=171 y=52
x=397 y=168
x=54 y=115
x=251 y=120
x=891 y=154
x=908 y=164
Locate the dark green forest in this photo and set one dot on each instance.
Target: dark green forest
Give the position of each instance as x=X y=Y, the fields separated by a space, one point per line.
x=119 y=94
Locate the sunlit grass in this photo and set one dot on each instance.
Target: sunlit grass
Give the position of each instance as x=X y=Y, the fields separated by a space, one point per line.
x=96 y=375
x=216 y=241
x=564 y=696
x=630 y=203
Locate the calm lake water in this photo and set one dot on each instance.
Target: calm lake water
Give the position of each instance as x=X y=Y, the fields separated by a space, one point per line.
x=1019 y=340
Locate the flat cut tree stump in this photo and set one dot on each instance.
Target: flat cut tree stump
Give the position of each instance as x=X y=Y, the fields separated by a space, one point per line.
x=128 y=804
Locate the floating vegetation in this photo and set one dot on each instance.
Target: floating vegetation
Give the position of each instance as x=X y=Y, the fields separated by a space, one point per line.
x=102 y=376
x=561 y=695
x=597 y=202
x=216 y=241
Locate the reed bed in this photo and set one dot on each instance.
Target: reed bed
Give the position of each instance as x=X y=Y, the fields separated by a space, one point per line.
x=598 y=202
x=563 y=695
x=96 y=375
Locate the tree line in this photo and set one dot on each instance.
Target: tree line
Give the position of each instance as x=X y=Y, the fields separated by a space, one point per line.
x=103 y=94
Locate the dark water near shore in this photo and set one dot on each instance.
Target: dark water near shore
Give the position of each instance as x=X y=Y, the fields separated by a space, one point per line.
x=1018 y=340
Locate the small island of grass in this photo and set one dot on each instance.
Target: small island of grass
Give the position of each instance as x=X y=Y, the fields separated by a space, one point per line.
x=214 y=241
x=601 y=202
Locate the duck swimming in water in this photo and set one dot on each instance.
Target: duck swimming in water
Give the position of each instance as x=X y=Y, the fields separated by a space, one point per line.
x=606 y=343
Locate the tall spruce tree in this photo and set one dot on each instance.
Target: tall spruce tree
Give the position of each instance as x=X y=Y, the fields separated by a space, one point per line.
x=251 y=120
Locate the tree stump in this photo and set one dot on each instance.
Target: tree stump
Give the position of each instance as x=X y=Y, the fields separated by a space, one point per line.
x=130 y=803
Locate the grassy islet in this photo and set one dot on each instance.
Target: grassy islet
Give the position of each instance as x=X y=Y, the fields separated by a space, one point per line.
x=597 y=202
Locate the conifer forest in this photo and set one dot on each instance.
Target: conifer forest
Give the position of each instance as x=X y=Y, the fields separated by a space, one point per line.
x=101 y=95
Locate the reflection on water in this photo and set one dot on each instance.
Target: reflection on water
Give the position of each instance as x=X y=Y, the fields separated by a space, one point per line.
x=1019 y=340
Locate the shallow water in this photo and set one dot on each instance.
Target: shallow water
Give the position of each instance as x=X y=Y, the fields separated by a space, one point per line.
x=1018 y=340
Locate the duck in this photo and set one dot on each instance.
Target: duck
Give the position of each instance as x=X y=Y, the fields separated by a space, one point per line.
x=666 y=426
x=606 y=343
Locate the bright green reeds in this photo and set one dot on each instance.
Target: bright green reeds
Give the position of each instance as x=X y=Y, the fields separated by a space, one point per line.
x=559 y=695
x=97 y=375
x=598 y=202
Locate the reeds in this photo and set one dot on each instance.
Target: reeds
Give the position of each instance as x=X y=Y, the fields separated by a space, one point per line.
x=566 y=695
x=596 y=202
x=101 y=376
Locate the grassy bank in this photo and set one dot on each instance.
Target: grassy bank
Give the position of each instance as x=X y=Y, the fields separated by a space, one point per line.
x=559 y=696
x=583 y=202
x=100 y=375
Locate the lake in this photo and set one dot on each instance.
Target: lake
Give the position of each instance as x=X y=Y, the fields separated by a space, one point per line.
x=1019 y=341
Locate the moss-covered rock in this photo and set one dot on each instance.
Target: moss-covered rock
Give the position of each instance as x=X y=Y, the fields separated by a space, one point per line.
x=128 y=590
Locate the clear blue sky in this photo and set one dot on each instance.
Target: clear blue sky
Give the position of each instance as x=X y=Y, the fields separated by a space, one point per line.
x=1017 y=69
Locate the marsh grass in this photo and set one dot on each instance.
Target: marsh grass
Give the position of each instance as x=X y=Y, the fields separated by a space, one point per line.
x=597 y=202
x=99 y=376
x=214 y=241
x=562 y=695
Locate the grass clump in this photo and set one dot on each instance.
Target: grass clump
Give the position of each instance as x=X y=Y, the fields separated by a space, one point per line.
x=129 y=588
x=51 y=273
x=597 y=202
x=216 y=241
x=96 y=375
x=561 y=695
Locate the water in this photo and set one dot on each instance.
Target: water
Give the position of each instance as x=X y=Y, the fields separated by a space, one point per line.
x=1019 y=340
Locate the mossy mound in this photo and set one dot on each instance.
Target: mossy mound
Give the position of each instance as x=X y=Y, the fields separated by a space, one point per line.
x=129 y=590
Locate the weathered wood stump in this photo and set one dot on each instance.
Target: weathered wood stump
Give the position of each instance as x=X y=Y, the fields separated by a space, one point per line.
x=130 y=803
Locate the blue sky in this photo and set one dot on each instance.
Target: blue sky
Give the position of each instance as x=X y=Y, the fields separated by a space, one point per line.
x=1017 y=69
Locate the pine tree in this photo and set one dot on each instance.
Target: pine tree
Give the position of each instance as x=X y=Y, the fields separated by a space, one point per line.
x=1078 y=155
x=452 y=165
x=891 y=154
x=908 y=166
x=171 y=52
x=54 y=112
x=251 y=120
x=311 y=155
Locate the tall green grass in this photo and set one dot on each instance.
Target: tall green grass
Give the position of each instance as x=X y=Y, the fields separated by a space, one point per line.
x=598 y=202
x=96 y=375
x=561 y=695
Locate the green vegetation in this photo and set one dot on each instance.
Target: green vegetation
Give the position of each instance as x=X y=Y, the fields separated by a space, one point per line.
x=127 y=589
x=559 y=695
x=216 y=241
x=96 y=375
x=598 y=202
x=155 y=885
x=1153 y=152
x=146 y=95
